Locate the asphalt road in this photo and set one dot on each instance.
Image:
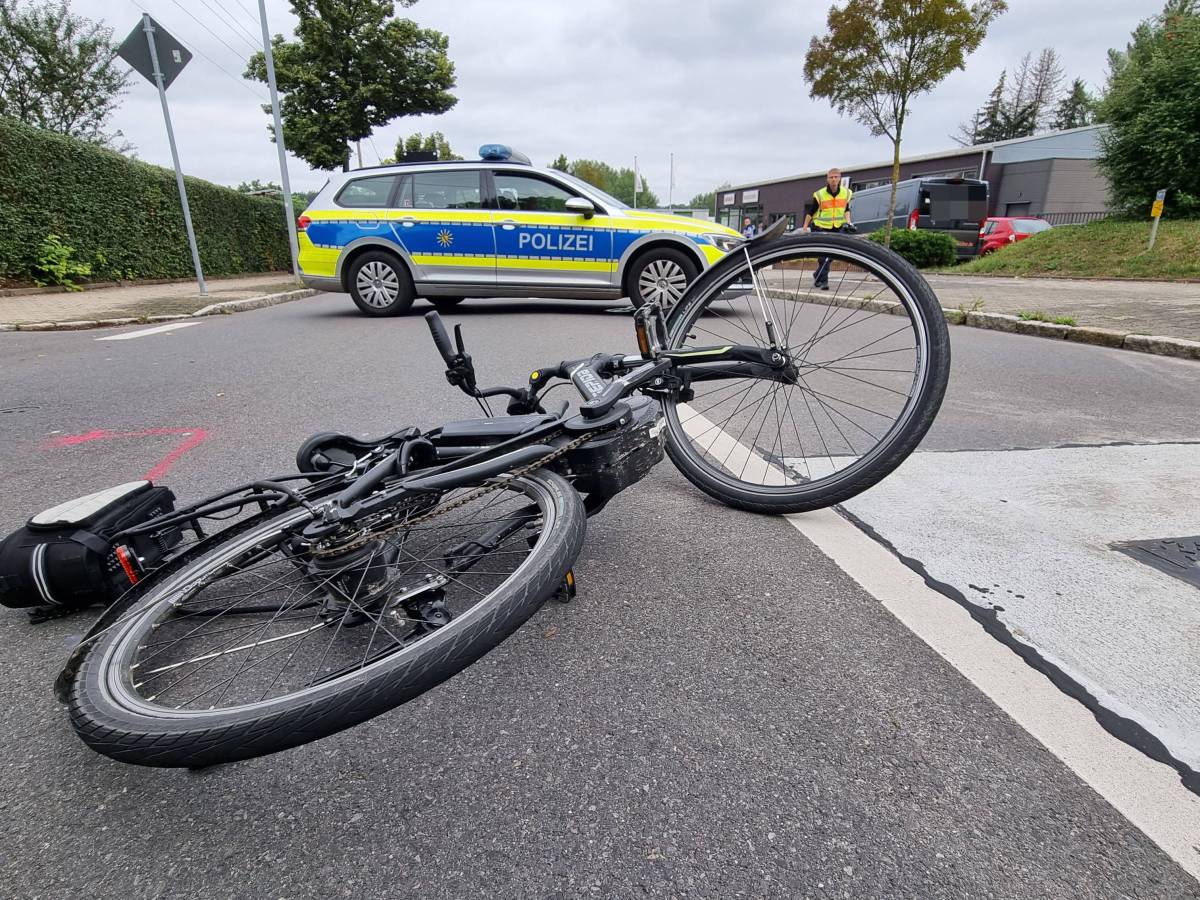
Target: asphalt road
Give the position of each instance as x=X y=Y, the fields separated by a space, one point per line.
x=721 y=712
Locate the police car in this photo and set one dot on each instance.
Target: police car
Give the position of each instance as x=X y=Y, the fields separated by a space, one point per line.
x=493 y=227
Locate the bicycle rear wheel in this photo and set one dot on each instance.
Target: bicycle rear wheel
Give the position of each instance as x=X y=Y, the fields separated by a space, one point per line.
x=261 y=643
x=870 y=360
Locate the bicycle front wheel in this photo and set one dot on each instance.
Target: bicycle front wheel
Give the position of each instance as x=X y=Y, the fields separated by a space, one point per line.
x=264 y=642
x=869 y=361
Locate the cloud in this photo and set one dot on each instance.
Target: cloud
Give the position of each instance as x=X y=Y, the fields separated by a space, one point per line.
x=719 y=84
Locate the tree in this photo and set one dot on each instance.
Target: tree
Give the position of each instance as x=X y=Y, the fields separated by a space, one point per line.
x=1152 y=108
x=1028 y=104
x=1045 y=88
x=618 y=182
x=1076 y=109
x=435 y=143
x=708 y=200
x=989 y=122
x=58 y=71
x=353 y=68
x=300 y=199
x=875 y=56
x=560 y=163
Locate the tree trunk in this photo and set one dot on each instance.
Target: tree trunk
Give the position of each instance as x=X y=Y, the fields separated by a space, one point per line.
x=887 y=228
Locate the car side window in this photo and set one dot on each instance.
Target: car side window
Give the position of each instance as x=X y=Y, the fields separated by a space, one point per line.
x=529 y=194
x=989 y=227
x=442 y=190
x=1030 y=226
x=369 y=193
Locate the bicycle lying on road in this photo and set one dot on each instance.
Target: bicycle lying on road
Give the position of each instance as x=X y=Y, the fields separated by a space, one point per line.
x=383 y=567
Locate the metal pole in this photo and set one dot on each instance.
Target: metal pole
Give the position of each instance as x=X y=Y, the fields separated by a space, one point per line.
x=162 y=96
x=1153 y=233
x=283 y=167
x=671 y=186
x=635 y=182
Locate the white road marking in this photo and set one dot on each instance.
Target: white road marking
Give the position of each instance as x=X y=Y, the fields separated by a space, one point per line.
x=1147 y=793
x=1028 y=532
x=158 y=329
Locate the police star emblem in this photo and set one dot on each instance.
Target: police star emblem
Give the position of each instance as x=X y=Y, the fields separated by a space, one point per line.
x=445 y=238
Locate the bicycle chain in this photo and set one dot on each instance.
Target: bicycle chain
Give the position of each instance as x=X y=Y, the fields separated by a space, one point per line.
x=494 y=485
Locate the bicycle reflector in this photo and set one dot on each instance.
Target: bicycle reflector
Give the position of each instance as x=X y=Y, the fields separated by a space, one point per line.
x=503 y=153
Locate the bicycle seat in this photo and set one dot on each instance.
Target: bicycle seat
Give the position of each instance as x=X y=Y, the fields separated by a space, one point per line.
x=334 y=451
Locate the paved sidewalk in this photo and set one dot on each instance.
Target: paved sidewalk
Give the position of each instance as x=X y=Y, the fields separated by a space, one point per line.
x=1164 y=308
x=138 y=300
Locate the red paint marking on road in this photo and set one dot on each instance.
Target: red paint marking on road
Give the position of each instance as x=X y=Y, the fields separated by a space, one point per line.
x=199 y=436
x=195 y=437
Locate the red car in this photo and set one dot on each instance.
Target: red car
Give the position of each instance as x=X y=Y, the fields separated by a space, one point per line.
x=998 y=231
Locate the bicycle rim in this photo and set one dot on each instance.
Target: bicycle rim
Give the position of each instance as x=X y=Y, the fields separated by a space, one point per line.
x=862 y=364
x=259 y=620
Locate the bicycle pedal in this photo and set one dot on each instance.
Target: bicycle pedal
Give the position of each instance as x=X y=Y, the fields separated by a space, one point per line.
x=566 y=590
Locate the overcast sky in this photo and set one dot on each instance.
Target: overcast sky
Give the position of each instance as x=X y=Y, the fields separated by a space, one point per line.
x=719 y=84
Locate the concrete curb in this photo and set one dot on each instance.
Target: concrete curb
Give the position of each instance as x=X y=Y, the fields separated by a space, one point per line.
x=137 y=282
x=214 y=309
x=1159 y=345
x=1079 y=334
x=254 y=302
x=1086 y=334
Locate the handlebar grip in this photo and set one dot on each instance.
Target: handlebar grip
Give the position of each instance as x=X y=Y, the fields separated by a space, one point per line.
x=441 y=339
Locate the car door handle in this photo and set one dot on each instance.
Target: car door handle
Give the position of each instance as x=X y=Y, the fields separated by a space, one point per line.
x=407 y=221
x=508 y=224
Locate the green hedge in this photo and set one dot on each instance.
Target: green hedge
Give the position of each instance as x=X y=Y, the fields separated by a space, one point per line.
x=924 y=249
x=123 y=216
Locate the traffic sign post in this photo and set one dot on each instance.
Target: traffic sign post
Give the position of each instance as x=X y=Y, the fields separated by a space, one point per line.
x=283 y=168
x=141 y=51
x=1156 y=212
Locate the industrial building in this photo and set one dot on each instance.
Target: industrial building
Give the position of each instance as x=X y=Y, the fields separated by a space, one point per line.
x=1052 y=175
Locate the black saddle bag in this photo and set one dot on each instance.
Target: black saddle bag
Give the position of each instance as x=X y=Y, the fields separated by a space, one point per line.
x=74 y=555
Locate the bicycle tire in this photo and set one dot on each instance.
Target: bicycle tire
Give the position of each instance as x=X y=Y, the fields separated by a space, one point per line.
x=104 y=717
x=799 y=496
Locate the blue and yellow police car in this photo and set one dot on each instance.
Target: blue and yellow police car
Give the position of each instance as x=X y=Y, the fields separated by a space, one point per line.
x=493 y=227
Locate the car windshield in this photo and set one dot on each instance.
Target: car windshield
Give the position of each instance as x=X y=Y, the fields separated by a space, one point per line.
x=1030 y=226
x=609 y=199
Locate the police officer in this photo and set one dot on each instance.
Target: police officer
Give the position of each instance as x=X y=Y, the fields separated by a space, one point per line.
x=747 y=229
x=829 y=210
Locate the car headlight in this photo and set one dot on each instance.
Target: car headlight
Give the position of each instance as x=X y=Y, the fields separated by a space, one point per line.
x=725 y=242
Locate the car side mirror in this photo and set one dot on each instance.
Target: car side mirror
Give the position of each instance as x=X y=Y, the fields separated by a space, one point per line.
x=582 y=206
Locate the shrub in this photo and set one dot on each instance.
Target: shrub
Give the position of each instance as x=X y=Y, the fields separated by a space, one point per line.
x=924 y=249
x=55 y=266
x=121 y=216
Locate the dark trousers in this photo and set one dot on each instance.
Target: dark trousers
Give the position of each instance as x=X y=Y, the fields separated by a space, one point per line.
x=821 y=276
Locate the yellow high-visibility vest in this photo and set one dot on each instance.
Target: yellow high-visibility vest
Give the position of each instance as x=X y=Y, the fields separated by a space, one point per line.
x=831 y=210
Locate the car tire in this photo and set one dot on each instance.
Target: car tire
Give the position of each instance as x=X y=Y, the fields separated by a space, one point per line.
x=380 y=285
x=662 y=274
x=445 y=304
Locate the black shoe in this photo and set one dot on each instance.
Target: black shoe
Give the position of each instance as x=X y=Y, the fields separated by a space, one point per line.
x=821 y=285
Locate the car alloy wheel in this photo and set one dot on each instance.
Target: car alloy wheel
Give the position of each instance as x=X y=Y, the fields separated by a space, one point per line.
x=663 y=280
x=378 y=285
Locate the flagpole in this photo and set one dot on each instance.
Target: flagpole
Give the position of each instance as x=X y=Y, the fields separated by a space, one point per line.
x=671 y=188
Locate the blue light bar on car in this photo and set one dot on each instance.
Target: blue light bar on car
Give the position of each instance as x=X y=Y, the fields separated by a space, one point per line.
x=503 y=153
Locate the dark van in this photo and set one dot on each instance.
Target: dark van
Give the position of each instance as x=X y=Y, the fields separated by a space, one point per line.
x=957 y=206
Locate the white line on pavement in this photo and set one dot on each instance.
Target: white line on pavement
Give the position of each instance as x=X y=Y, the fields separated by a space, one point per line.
x=158 y=329
x=1147 y=793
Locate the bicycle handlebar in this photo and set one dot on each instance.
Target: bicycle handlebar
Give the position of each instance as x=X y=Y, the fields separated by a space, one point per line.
x=441 y=339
